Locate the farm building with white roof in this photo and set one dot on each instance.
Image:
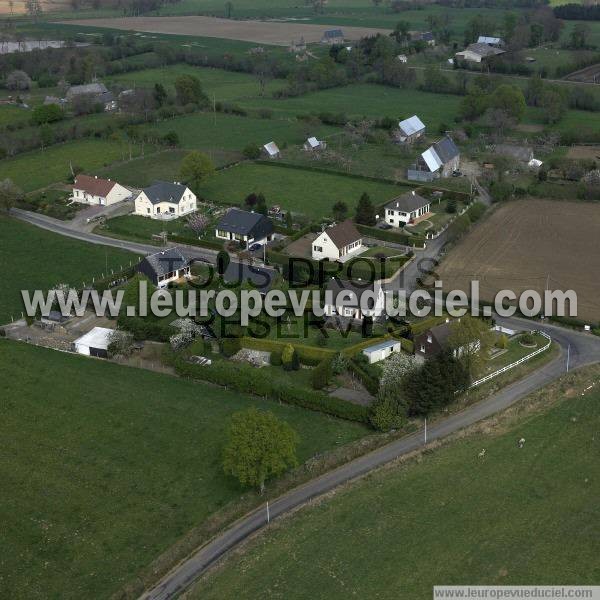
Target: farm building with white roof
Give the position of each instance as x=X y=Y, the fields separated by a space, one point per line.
x=94 y=342
x=410 y=130
x=272 y=150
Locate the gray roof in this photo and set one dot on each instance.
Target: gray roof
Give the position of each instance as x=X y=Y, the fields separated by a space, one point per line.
x=336 y=286
x=163 y=191
x=261 y=277
x=247 y=223
x=381 y=346
x=408 y=202
x=483 y=49
x=88 y=88
x=412 y=125
x=333 y=33
x=427 y=36
x=446 y=149
x=166 y=261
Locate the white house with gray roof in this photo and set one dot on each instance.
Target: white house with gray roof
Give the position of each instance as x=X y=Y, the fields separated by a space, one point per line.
x=409 y=130
x=165 y=267
x=406 y=208
x=164 y=200
x=245 y=227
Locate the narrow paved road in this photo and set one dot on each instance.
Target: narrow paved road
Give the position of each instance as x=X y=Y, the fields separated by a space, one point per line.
x=63 y=228
x=583 y=349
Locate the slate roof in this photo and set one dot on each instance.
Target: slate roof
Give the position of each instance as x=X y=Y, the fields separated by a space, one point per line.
x=407 y=202
x=336 y=286
x=166 y=261
x=261 y=277
x=343 y=233
x=427 y=36
x=332 y=34
x=242 y=222
x=483 y=50
x=412 y=125
x=442 y=152
x=87 y=88
x=164 y=191
x=93 y=185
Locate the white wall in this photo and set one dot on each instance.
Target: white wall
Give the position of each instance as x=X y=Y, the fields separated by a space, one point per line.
x=328 y=249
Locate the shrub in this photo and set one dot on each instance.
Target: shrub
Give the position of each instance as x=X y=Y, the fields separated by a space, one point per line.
x=230 y=346
x=321 y=375
x=386 y=414
x=275 y=359
x=287 y=357
x=251 y=152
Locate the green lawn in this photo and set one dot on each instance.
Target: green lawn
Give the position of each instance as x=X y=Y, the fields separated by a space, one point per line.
x=519 y=516
x=46 y=259
x=374 y=101
x=307 y=192
x=514 y=352
x=217 y=83
x=13 y=114
x=34 y=170
x=202 y=131
x=104 y=467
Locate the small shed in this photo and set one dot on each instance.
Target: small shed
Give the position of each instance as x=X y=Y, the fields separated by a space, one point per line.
x=312 y=144
x=94 y=342
x=379 y=352
x=272 y=150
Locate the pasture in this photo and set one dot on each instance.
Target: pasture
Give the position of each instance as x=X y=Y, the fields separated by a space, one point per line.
x=288 y=188
x=49 y=259
x=524 y=244
x=105 y=467
x=518 y=516
x=37 y=169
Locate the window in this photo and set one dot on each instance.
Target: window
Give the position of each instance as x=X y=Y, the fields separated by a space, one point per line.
x=318 y=248
x=148 y=210
x=422 y=348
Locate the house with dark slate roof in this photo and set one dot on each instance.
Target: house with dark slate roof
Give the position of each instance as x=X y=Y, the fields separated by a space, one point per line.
x=164 y=200
x=406 y=208
x=245 y=227
x=353 y=300
x=333 y=36
x=164 y=267
x=340 y=242
x=437 y=339
x=439 y=160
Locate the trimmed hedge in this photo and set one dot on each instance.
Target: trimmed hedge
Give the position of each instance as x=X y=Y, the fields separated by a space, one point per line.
x=194 y=241
x=308 y=355
x=250 y=380
x=387 y=235
x=371 y=383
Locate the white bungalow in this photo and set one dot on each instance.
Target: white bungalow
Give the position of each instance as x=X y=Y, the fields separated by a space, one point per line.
x=406 y=208
x=341 y=242
x=97 y=191
x=164 y=200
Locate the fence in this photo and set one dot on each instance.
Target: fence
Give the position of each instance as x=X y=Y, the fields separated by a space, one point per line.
x=516 y=363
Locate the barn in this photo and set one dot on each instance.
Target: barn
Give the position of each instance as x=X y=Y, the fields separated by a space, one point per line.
x=94 y=342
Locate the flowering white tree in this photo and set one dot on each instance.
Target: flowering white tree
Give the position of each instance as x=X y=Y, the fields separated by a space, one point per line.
x=197 y=222
x=395 y=369
x=188 y=330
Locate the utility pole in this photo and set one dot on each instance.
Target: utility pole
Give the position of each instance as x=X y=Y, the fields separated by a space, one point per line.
x=215 y=107
x=568 y=356
x=425 y=431
x=268 y=513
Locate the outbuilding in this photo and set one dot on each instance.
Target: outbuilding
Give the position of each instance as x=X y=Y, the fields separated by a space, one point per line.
x=379 y=352
x=94 y=343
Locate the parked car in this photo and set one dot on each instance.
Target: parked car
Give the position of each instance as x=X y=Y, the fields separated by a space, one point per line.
x=385 y=226
x=255 y=247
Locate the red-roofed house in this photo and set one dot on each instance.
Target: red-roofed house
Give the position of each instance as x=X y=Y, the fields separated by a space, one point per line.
x=94 y=190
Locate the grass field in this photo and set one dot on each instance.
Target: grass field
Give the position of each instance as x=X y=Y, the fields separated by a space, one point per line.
x=13 y=114
x=220 y=85
x=288 y=188
x=202 y=131
x=111 y=467
x=519 y=516
x=35 y=170
x=45 y=259
x=374 y=101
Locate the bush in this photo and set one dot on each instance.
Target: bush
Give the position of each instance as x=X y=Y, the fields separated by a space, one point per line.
x=230 y=346
x=275 y=359
x=386 y=414
x=321 y=375
x=251 y=152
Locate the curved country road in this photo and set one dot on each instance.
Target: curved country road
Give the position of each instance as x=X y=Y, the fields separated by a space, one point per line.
x=581 y=349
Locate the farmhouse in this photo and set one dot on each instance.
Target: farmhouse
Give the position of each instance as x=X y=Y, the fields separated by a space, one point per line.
x=94 y=342
x=271 y=150
x=312 y=144
x=406 y=208
x=165 y=267
x=351 y=300
x=379 y=352
x=102 y=192
x=97 y=91
x=164 y=200
x=478 y=52
x=437 y=339
x=332 y=37
x=245 y=227
x=340 y=242
x=439 y=160
x=409 y=130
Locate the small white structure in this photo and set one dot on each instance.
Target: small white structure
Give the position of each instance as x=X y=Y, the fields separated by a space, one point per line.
x=340 y=242
x=164 y=200
x=312 y=144
x=379 y=352
x=406 y=208
x=410 y=130
x=535 y=163
x=490 y=41
x=94 y=342
x=402 y=58
x=271 y=150
x=96 y=191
